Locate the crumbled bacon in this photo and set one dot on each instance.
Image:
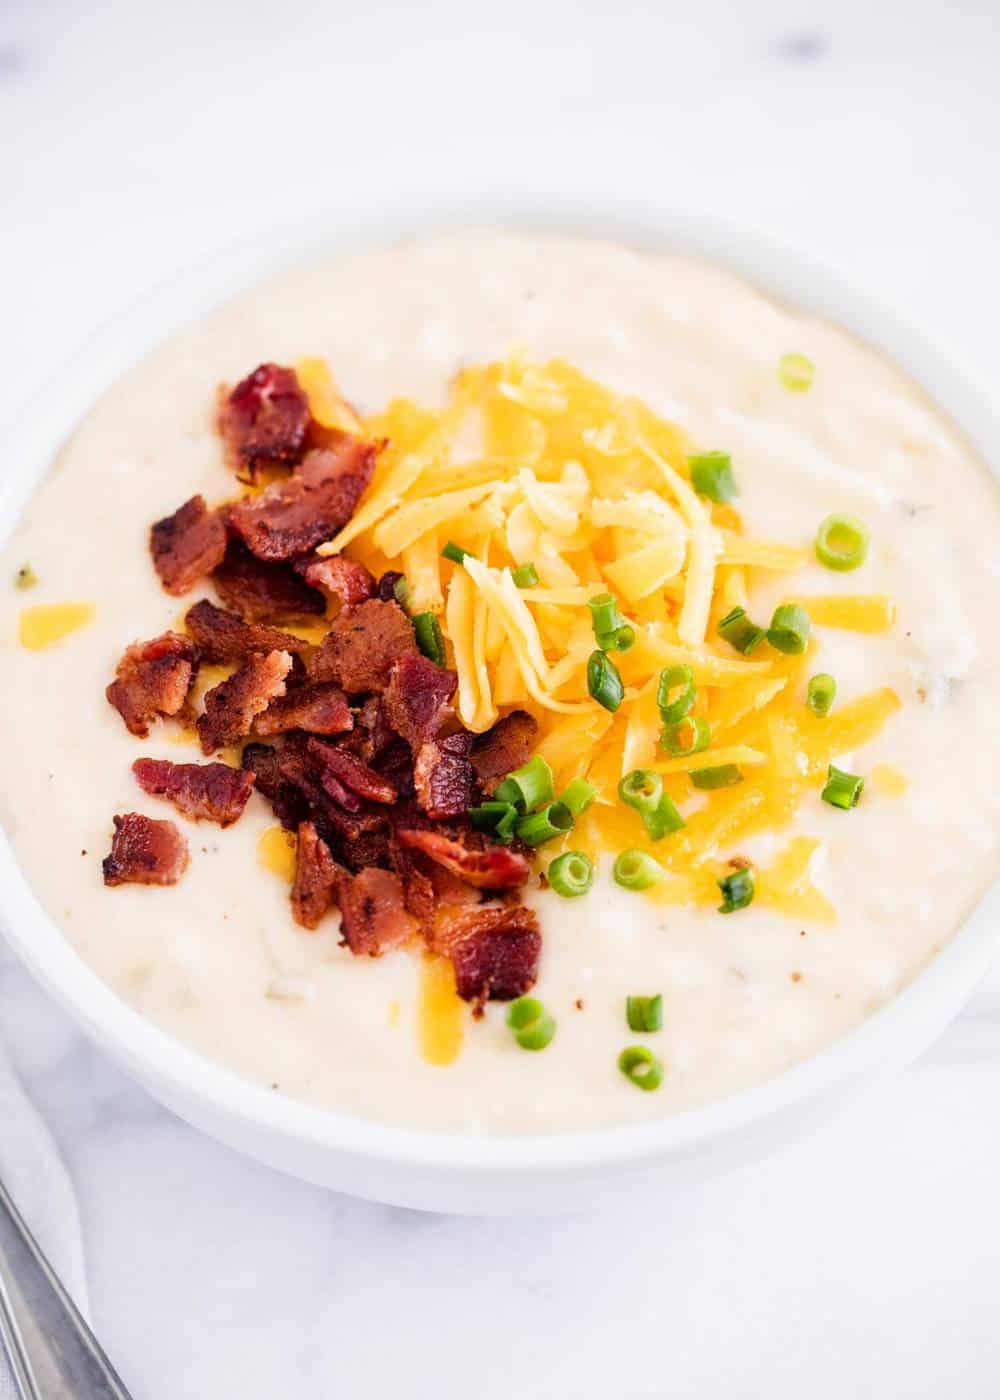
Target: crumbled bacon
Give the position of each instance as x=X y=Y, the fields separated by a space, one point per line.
x=490 y=868
x=316 y=877
x=330 y=761
x=417 y=698
x=264 y=421
x=153 y=678
x=187 y=545
x=373 y=916
x=145 y=852
x=263 y=592
x=222 y=636
x=343 y=578
x=290 y=518
x=503 y=748
x=289 y=803
x=232 y=707
x=443 y=776
x=213 y=791
x=316 y=709
x=362 y=646
x=494 y=949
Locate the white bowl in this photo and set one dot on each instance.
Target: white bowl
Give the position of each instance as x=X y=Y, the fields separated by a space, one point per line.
x=453 y=1172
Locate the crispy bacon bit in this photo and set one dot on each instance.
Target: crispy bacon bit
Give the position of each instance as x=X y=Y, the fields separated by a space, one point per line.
x=210 y=790
x=317 y=709
x=443 y=776
x=222 y=636
x=231 y=708
x=316 y=876
x=373 y=915
x=145 y=852
x=262 y=592
x=187 y=545
x=494 y=950
x=417 y=698
x=504 y=747
x=264 y=421
x=343 y=578
x=330 y=761
x=362 y=645
x=290 y=518
x=289 y=804
x=491 y=868
x=153 y=678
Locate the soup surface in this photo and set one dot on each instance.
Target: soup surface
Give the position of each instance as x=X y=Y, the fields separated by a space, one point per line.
x=217 y=960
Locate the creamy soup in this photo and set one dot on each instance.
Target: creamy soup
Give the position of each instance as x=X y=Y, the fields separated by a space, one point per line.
x=217 y=960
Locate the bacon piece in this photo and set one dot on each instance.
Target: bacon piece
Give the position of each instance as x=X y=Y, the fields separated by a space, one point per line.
x=343 y=578
x=231 y=708
x=264 y=421
x=494 y=949
x=330 y=761
x=316 y=877
x=504 y=747
x=362 y=645
x=289 y=803
x=373 y=917
x=187 y=545
x=210 y=790
x=443 y=776
x=317 y=709
x=153 y=678
x=145 y=852
x=491 y=868
x=358 y=836
x=262 y=592
x=417 y=698
x=222 y=636
x=290 y=518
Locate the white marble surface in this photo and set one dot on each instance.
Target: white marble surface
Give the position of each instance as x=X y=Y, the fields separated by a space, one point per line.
x=136 y=136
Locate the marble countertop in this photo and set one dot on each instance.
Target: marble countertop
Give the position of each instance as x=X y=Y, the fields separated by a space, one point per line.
x=139 y=136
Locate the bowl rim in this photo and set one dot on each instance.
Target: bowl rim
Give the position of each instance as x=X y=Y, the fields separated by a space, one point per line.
x=891 y=1035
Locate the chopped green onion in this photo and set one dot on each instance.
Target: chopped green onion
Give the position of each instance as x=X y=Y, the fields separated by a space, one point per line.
x=25 y=577
x=635 y=870
x=689 y=735
x=673 y=708
x=430 y=639
x=571 y=874
x=401 y=591
x=644 y=1013
x=842 y=789
x=641 y=1067
x=643 y=790
x=454 y=552
x=498 y=818
x=821 y=693
x=737 y=629
x=603 y=681
x=842 y=543
x=708 y=779
x=545 y=825
x=532 y=1025
x=611 y=630
x=525 y=576
x=796 y=372
x=737 y=890
x=712 y=476
x=789 y=629
x=578 y=796
x=529 y=786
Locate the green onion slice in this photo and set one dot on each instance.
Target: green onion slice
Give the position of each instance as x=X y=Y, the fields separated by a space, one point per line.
x=675 y=692
x=842 y=542
x=641 y=789
x=545 y=825
x=712 y=476
x=401 y=591
x=498 y=818
x=842 y=789
x=789 y=629
x=603 y=681
x=636 y=870
x=571 y=874
x=578 y=796
x=454 y=552
x=796 y=372
x=532 y=1025
x=430 y=638
x=611 y=630
x=689 y=735
x=821 y=693
x=525 y=576
x=528 y=787
x=737 y=629
x=641 y=1067
x=737 y=890
x=708 y=779
x=644 y=1013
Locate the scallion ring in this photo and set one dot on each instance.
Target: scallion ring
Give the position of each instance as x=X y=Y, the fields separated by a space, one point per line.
x=401 y=591
x=789 y=629
x=611 y=631
x=842 y=789
x=796 y=372
x=603 y=681
x=545 y=825
x=842 y=543
x=571 y=874
x=529 y=786
x=578 y=796
x=821 y=693
x=738 y=630
x=644 y=1013
x=525 y=576
x=689 y=735
x=430 y=638
x=737 y=890
x=498 y=818
x=641 y=1067
x=712 y=476
x=708 y=779
x=454 y=552
x=531 y=1024
x=636 y=870
x=675 y=693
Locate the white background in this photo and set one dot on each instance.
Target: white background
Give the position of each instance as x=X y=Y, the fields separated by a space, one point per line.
x=133 y=138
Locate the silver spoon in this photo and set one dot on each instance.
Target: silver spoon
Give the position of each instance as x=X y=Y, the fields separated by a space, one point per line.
x=51 y=1350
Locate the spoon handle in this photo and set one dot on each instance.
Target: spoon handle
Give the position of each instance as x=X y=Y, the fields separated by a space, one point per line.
x=52 y=1352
